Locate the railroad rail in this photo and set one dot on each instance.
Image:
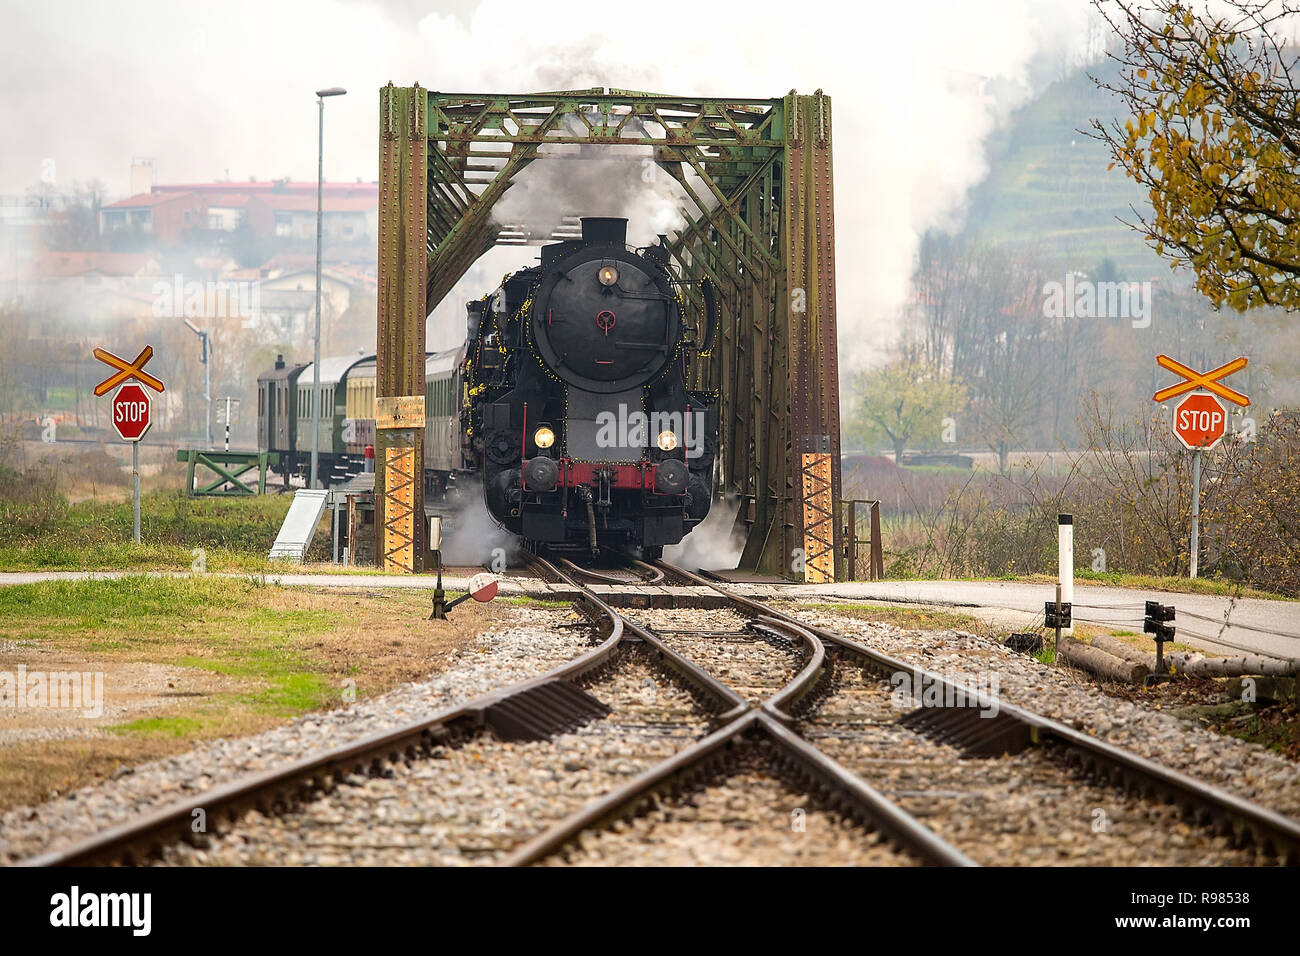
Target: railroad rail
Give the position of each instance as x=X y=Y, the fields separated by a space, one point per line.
x=642 y=573
x=534 y=709
x=851 y=795
x=1016 y=727
x=531 y=709
x=555 y=702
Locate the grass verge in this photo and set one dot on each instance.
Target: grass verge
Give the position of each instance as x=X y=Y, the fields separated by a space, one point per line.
x=193 y=658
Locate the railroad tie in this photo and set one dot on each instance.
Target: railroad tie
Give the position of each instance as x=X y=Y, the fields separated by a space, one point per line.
x=542 y=711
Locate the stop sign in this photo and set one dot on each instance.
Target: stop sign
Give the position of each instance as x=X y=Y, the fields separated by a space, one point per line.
x=1200 y=421
x=131 y=409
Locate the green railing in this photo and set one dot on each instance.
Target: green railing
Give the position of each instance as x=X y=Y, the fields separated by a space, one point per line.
x=229 y=468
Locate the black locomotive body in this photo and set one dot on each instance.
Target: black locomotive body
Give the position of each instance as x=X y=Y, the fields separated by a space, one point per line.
x=568 y=400
x=577 y=414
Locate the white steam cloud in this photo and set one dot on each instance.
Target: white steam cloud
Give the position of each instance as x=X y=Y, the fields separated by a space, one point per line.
x=715 y=544
x=471 y=536
x=209 y=91
x=625 y=182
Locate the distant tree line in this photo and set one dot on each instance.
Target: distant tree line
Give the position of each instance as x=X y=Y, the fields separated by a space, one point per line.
x=987 y=359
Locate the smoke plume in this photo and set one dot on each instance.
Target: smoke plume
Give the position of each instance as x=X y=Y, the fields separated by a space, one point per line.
x=916 y=90
x=716 y=543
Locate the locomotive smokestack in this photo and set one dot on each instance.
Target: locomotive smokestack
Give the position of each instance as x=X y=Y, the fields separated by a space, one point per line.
x=604 y=229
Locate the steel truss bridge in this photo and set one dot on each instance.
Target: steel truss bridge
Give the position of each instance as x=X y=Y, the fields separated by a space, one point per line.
x=759 y=221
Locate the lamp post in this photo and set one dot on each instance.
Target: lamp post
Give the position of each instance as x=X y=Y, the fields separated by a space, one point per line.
x=320 y=204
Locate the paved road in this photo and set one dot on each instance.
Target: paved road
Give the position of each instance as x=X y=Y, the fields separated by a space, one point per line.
x=1259 y=626
x=1254 y=625
x=416 y=581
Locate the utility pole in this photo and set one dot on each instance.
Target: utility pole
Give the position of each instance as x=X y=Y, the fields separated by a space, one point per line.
x=320 y=222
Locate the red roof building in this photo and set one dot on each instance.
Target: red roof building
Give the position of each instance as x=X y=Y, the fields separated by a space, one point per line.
x=212 y=191
x=278 y=208
x=165 y=215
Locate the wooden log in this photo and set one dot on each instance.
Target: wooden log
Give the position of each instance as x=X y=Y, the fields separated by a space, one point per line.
x=1118 y=648
x=1198 y=665
x=1100 y=663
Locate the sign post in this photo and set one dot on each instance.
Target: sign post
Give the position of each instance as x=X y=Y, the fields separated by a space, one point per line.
x=132 y=411
x=228 y=400
x=1200 y=422
x=1196 y=513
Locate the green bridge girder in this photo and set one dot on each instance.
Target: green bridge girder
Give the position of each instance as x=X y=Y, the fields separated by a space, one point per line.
x=760 y=222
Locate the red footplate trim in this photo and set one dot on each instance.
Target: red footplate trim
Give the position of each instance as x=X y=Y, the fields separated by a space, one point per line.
x=640 y=477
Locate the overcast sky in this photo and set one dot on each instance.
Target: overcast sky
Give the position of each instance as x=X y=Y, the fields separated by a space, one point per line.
x=225 y=89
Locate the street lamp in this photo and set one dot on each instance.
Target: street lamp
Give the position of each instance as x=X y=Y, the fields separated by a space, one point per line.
x=320 y=204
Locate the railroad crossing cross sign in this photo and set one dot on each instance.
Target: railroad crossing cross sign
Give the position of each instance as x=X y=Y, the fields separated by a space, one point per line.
x=126 y=370
x=1206 y=380
x=1200 y=421
x=132 y=412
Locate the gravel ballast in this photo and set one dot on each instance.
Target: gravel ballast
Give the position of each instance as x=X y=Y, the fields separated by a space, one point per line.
x=527 y=642
x=1239 y=767
x=1026 y=809
x=470 y=805
x=749 y=819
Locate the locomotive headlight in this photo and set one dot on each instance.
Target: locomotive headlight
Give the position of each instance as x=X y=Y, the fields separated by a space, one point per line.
x=667 y=440
x=544 y=437
x=608 y=275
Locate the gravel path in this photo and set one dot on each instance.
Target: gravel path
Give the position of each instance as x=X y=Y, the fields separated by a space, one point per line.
x=527 y=642
x=1248 y=770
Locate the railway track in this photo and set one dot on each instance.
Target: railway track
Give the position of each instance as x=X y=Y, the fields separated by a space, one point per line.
x=747 y=705
x=473 y=802
x=634 y=572
x=1052 y=757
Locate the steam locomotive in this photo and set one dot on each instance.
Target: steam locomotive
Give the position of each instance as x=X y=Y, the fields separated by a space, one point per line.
x=568 y=401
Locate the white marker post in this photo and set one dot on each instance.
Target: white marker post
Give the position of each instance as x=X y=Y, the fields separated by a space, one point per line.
x=1065 y=561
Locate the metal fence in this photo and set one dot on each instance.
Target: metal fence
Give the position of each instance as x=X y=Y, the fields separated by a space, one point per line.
x=863 y=551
